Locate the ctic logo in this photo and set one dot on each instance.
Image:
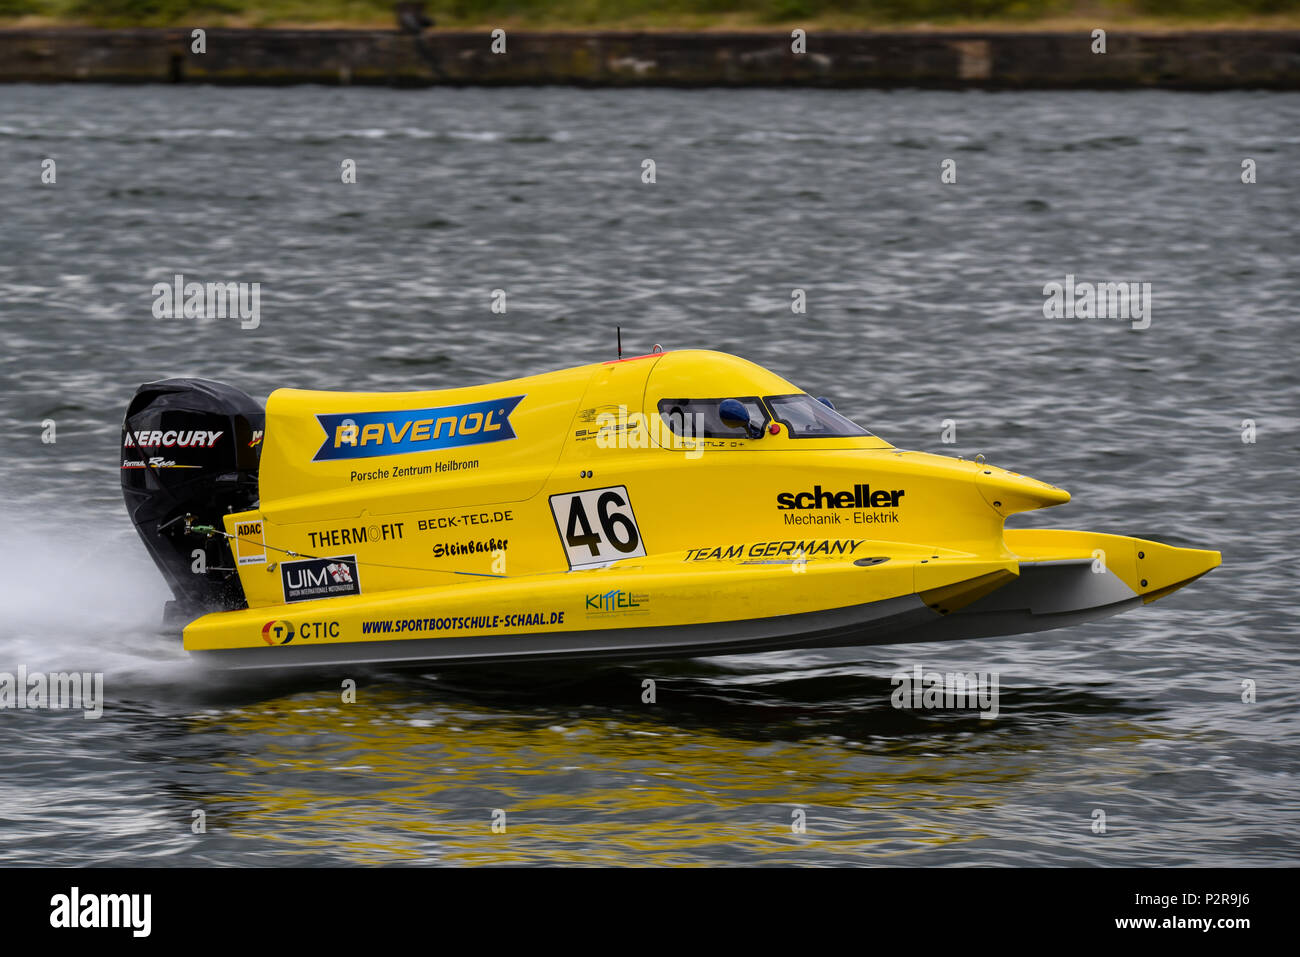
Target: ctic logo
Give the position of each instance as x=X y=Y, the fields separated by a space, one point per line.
x=362 y=435
x=282 y=632
x=277 y=632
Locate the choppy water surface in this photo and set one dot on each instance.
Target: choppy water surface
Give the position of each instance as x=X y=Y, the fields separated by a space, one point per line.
x=925 y=304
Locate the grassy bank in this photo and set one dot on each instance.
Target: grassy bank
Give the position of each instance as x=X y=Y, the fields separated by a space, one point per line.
x=667 y=14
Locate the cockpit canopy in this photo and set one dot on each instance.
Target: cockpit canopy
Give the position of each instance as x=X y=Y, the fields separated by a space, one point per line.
x=802 y=416
x=696 y=396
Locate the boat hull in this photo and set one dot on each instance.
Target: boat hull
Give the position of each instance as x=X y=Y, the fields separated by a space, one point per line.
x=655 y=609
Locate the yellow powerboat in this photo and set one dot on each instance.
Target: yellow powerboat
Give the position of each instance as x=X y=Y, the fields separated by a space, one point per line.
x=681 y=503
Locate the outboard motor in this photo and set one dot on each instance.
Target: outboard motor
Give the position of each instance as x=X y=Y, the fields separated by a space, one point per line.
x=190 y=452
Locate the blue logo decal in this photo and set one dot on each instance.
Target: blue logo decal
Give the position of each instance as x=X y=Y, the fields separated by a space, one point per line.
x=364 y=435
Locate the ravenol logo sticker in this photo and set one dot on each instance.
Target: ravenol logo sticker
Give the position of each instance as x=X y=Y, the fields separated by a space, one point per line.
x=364 y=435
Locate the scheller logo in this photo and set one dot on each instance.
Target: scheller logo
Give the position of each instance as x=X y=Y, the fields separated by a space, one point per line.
x=364 y=435
x=173 y=439
x=617 y=600
x=320 y=578
x=277 y=632
x=363 y=535
x=860 y=497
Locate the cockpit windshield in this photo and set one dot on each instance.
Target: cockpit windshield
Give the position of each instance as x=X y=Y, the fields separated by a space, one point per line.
x=808 y=418
x=803 y=416
x=700 y=418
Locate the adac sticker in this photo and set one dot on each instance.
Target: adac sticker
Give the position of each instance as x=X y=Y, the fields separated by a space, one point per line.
x=364 y=435
x=250 y=543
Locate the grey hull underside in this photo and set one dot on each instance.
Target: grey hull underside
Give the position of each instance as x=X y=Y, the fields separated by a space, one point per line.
x=1047 y=595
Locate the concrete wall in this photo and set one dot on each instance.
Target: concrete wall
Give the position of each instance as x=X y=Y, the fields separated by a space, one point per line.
x=1008 y=60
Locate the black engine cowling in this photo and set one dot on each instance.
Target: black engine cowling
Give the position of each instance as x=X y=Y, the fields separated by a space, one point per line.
x=191 y=447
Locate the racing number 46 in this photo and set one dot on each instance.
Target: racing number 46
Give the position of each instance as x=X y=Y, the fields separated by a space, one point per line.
x=597 y=526
x=609 y=522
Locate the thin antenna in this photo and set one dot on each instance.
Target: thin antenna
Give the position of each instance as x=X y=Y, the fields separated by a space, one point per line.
x=620 y=341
